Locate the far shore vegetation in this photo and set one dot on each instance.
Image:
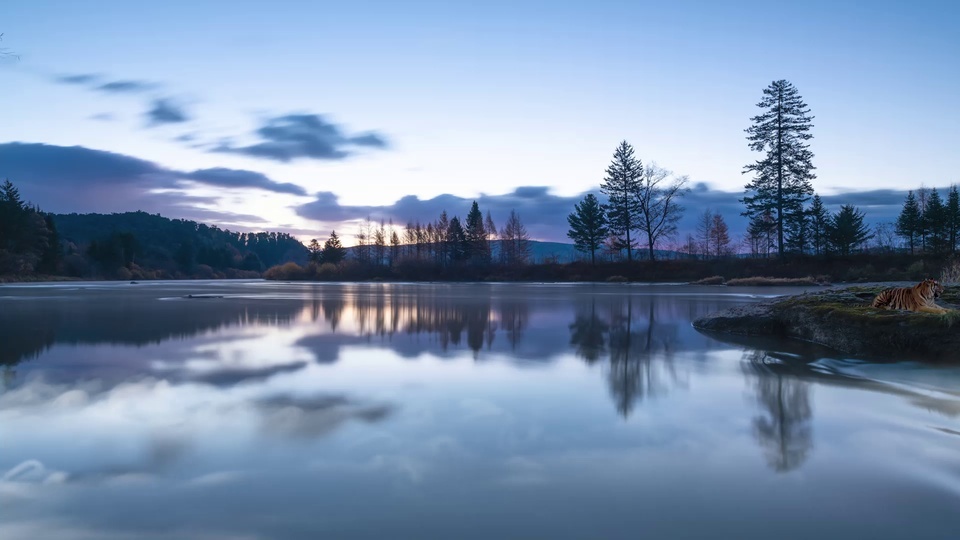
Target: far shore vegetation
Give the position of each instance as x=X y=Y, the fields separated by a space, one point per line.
x=629 y=236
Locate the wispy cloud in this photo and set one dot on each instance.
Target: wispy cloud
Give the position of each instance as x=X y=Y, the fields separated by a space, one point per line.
x=166 y=111
x=307 y=136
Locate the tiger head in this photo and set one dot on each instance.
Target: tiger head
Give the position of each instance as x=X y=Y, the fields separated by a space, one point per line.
x=931 y=288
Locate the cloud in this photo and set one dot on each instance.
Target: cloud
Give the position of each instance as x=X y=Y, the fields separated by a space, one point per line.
x=236 y=178
x=80 y=179
x=126 y=87
x=95 y=81
x=80 y=78
x=309 y=136
x=103 y=117
x=165 y=111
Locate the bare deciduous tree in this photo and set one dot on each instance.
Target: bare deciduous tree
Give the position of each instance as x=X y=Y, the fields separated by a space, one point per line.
x=659 y=204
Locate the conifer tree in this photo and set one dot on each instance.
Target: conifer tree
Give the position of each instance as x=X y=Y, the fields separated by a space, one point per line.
x=316 y=250
x=622 y=188
x=908 y=222
x=588 y=226
x=477 y=246
x=798 y=231
x=456 y=240
x=443 y=227
x=935 y=222
x=491 y=229
x=333 y=250
x=781 y=183
x=818 y=226
x=953 y=218
x=846 y=230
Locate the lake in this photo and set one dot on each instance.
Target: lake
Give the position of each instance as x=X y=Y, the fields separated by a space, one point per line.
x=270 y=410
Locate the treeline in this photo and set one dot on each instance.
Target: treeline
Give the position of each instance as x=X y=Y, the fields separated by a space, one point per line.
x=29 y=241
x=131 y=245
x=445 y=248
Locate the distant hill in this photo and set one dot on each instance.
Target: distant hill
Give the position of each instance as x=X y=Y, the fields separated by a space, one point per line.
x=105 y=243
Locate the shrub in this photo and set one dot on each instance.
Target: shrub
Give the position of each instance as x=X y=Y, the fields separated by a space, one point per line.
x=327 y=271
x=288 y=271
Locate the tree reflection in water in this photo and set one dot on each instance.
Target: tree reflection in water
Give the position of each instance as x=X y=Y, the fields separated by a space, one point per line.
x=783 y=427
x=588 y=334
x=640 y=348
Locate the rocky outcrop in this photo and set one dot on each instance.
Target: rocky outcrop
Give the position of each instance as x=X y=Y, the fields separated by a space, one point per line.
x=842 y=319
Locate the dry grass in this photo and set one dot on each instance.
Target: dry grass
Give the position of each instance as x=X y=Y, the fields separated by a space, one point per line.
x=771 y=281
x=712 y=280
x=616 y=279
x=950 y=275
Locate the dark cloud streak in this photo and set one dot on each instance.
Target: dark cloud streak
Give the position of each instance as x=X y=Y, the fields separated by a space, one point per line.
x=165 y=111
x=307 y=136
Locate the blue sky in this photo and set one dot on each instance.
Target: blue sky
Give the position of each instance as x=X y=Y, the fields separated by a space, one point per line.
x=428 y=99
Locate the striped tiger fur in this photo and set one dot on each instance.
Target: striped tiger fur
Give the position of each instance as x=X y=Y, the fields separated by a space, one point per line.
x=920 y=297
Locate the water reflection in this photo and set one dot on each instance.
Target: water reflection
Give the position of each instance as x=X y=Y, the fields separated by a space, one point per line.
x=507 y=411
x=784 y=426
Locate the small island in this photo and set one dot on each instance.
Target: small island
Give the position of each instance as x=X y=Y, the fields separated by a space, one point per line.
x=842 y=319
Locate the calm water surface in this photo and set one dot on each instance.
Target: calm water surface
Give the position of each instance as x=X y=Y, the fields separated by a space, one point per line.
x=452 y=411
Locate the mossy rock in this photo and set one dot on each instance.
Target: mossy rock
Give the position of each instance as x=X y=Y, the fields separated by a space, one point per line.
x=843 y=320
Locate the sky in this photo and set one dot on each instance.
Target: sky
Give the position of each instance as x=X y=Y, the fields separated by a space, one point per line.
x=309 y=116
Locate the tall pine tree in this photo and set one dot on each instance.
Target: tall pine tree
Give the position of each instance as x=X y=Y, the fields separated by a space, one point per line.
x=477 y=247
x=781 y=183
x=622 y=188
x=908 y=222
x=588 y=226
x=953 y=218
x=935 y=220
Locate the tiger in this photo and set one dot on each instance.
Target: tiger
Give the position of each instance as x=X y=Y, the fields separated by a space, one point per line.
x=921 y=297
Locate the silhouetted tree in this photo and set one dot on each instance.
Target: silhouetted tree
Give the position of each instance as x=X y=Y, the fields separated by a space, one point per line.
x=761 y=233
x=908 y=223
x=953 y=218
x=659 y=207
x=819 y=218
x=514 y=240
x=379 y=244
x=491 y=229
x=798 y=230
x=477 y=246
x=846 y=230
x=781 y=182
x=456 y=240
x=333 y=250
x=316 y=250
x=935 y=220
x=719 y=237
x=588 y=226
x=622 y=188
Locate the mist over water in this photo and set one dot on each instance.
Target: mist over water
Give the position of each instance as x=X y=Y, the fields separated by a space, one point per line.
x=272 y=410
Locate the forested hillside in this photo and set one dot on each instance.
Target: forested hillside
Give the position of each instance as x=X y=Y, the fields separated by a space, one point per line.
x=104 y=244
x=131 y=245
